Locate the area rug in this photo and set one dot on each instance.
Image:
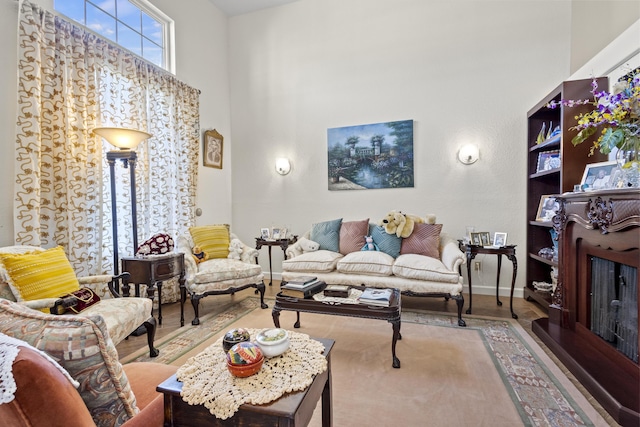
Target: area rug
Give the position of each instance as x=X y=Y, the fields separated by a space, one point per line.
x=491 y=373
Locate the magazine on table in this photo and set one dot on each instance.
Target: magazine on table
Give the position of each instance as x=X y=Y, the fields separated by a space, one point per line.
x=373 y=296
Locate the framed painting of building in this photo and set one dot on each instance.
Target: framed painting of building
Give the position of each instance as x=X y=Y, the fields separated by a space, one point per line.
x=371 y=156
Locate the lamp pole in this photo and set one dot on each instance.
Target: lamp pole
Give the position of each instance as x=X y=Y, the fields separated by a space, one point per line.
x=128 y=158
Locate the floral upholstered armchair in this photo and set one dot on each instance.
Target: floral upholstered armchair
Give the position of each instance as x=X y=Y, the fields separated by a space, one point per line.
x=122 y=315
x=215 y=272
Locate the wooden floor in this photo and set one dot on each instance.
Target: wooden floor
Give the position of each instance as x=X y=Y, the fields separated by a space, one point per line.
x=484 y=305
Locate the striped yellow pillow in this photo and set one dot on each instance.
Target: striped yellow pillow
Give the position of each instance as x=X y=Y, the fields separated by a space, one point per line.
x=212 y=239
x=39 y=274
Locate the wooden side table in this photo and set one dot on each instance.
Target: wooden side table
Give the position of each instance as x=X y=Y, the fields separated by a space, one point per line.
x=153 y=270
x=291 y=410
x=283 y=243
x=510 y=251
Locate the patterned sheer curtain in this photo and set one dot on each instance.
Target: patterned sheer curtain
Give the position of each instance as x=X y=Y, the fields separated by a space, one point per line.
x=69 y=82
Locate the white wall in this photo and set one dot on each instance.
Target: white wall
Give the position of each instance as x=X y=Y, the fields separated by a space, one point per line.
x=464 y=71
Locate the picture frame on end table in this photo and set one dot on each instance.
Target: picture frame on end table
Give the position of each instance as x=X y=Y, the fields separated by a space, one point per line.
x=500 y=239
x=212 y=149
x=265 y=233
x=475 y=239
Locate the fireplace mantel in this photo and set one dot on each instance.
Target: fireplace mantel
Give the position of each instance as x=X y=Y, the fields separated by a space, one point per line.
x=602 y=224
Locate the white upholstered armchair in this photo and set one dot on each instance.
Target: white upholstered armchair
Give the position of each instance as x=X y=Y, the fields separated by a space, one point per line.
x=218 y=275
x=122 y=315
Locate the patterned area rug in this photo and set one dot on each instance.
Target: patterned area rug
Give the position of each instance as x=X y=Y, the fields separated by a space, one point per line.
x=537 y=388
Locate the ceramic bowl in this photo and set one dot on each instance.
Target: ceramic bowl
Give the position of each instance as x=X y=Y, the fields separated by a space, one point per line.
x=244 y=353
x=273 y=342
x=233 y=337
x=244 y=371
x=244 y=359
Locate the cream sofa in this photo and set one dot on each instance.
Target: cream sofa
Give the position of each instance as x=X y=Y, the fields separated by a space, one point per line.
x=399 y=263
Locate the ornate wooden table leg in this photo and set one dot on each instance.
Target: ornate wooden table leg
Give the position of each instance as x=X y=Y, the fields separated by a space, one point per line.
x=512 y=257
x=498 y=280
x=396 y=336
x=470 y=257
x=275 y=313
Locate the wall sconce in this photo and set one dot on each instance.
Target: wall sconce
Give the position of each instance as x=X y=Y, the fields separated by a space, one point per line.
x=468 y=154
x=283 y=165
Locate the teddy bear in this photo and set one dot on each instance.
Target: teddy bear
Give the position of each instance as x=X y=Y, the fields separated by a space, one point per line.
x=199 y=255
x=304 y=245
x=369 y=244
x=402 y=225
x=235 y=249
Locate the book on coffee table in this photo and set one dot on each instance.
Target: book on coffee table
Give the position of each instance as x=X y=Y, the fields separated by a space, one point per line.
x=301 y=282
x=377 y=297
x=307 y=292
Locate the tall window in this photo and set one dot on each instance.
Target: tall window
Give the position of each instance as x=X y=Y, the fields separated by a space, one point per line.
x=135 y=25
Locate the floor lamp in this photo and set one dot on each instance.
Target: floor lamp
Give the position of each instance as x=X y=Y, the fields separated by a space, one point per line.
x=126 y=140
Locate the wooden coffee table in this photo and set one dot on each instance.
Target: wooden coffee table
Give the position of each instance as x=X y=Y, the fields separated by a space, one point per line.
x=292 y=409
x=391 y=314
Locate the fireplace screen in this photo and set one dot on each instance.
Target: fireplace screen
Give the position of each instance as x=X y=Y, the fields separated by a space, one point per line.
x=614 y=305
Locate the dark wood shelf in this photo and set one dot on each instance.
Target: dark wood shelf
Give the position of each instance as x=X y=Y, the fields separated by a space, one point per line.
x=545 y=173
x=551 y=143
x=554 y=181
x=604 y=378
x=542 y=298
x=544 y=260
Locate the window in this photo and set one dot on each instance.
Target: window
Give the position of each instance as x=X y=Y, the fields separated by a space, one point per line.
x=135 y=25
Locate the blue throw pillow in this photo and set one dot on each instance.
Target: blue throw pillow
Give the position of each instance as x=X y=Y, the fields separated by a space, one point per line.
x=387 y=243
x=327 y=234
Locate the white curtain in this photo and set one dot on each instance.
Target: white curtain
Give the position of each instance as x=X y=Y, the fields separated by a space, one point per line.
x=69 y=82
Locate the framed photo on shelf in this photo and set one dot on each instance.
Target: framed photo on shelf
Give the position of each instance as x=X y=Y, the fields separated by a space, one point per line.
x=547 y=208
x=212 y=149
x=548 y=160
x=598 y=176
x=500 y=239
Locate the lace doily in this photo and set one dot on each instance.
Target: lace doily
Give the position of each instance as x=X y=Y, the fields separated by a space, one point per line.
x=207 y=381
x=8 y=353
x=354 y=294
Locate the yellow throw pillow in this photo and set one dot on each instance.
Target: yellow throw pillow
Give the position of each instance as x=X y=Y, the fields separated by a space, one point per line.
x=39 y=274
x=212 y=239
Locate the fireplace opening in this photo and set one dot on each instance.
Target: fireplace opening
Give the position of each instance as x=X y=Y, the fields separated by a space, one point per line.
x=614 y=305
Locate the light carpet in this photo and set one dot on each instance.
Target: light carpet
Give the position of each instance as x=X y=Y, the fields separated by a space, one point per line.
x=491 y=373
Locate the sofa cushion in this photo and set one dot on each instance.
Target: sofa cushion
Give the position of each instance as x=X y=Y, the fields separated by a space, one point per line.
x=352 y=234
x=321 y=261
x=39 y=274
x=387 y=243
x=212 y=239
x=327 y=234
x=420 y=267
x=83 y=347
x=373 y=263
x=218 y=270
x=425 y=240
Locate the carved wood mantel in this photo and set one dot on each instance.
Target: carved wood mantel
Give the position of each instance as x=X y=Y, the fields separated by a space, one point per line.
x=590 y=226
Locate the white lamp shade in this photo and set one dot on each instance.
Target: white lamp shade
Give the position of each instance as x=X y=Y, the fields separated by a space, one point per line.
x=468 y=154
x=122 y=138
x=283 y=166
